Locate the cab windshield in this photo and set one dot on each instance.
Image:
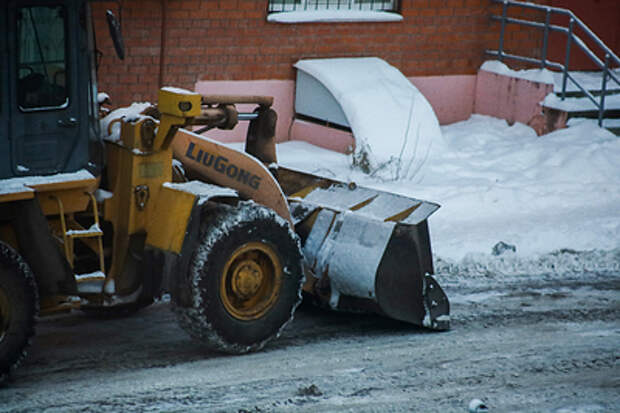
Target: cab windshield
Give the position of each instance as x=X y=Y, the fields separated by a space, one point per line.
x=42 y=64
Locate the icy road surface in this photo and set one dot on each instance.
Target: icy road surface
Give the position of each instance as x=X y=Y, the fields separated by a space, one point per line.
x=521 y=344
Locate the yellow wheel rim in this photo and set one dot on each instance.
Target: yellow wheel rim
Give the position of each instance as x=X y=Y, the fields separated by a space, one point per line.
x=251 y=280
x=5 y=314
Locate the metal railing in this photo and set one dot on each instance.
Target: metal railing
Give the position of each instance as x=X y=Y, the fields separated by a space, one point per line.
x=275 y=6
x=606 y=66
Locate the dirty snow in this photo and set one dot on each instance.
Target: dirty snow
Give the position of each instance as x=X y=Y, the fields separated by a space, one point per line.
x=394 y=125
x=554 y=198
x=383 y=206
x=533 y=75
x=93 y=229
x=203 y=190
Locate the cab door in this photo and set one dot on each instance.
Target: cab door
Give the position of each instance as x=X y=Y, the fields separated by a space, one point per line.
x=46 y=119
x=5 y=158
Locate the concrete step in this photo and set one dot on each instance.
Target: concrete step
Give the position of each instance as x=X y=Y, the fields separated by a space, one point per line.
x=612 y=125
x=591 y=81
x=583 y=107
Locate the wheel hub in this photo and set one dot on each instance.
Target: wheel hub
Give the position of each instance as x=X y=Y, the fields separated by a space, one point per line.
x=247 y=279
x=251 y=280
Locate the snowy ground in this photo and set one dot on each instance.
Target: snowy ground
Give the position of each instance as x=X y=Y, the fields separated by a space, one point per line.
x=555 y=198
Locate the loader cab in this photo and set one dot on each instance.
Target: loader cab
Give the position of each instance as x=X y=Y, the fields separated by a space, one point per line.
x=48 y=91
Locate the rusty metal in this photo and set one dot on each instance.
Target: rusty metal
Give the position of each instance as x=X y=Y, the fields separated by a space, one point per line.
x=237 y=99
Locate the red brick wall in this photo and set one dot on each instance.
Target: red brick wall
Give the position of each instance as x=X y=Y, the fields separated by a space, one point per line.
x=231 y=40
x=602 y=16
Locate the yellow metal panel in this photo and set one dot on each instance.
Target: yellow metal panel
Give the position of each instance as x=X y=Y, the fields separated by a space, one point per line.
x=169 y=219
x=177 y=102
x=133 y=169
x=227 y=167
x=19 y=195
x=28 y=190
x=83 y=184
x=73 y=200
x=150 y=169
x=128 y=170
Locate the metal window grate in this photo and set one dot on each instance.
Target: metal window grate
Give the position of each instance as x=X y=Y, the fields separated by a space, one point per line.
x=277 y=6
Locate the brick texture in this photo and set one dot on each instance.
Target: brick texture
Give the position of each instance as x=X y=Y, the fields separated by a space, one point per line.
x=177 y=42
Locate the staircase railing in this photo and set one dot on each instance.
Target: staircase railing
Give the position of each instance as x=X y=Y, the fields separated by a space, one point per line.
x=610 y=60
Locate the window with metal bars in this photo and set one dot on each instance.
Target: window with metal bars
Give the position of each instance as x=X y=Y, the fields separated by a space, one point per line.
x=276 y=6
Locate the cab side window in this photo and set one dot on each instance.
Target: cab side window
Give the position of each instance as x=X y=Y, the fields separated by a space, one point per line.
x=42 y=64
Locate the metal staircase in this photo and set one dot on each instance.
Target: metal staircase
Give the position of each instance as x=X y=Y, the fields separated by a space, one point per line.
x=588 y=94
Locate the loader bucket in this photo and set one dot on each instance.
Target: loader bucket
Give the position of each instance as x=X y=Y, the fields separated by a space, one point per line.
x=366 y=250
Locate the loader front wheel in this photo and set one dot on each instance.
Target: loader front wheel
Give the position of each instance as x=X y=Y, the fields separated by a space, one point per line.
x=245 y=279
x=18 y=309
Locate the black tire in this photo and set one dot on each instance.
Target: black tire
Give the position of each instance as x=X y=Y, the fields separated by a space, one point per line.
x=19 y=306
x=245 y=278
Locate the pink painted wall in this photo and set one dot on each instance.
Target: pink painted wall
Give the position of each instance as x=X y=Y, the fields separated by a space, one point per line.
x=510 y=98
x=452 y=97
x=323 y=136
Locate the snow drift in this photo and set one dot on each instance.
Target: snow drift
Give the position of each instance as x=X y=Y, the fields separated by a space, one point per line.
x=394 y=126
x=553 y=198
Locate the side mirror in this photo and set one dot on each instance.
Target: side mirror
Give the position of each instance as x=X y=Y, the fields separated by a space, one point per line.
x=115 y=34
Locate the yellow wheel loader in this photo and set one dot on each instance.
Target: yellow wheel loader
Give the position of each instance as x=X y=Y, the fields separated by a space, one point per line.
x=108 y=225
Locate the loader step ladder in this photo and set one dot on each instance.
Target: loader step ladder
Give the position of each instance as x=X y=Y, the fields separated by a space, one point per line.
x=71 y=230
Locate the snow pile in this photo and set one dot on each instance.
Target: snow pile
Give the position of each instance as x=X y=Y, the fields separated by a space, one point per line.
x=395 y=127
x=333 y=16
x=129 y=113
x=533 y=75
x=552 y=198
